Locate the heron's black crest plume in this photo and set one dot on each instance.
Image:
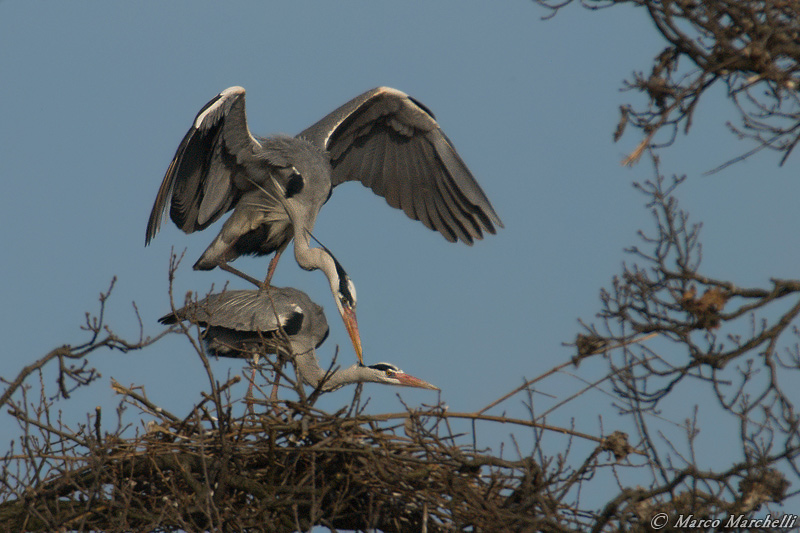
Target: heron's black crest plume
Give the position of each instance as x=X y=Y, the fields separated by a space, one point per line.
x=383 y=367
x=339 y=268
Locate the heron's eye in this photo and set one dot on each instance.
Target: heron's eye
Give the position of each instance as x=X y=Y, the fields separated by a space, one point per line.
x=346 y=302
x=389 y=373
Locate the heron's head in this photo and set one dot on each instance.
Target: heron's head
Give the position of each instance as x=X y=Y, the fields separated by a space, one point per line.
x=342 y=287
x=344 y=294
x=391 y=375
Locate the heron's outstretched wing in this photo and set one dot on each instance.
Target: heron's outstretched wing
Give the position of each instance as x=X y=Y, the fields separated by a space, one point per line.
x=212 y=163
x=393 y=145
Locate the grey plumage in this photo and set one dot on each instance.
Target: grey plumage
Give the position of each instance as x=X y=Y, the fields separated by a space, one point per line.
x=276 y=186
x=244 y=323
x=392 y=144
x=238 y=323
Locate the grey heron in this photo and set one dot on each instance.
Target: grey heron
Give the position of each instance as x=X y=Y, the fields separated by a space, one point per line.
x=277 y=185
x=245 y=322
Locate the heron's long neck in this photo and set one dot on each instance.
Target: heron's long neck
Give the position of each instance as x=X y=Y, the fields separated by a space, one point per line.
x=314 y=258
x=313 y=374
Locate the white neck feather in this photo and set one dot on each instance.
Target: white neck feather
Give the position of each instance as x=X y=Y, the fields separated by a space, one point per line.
x=312 y=374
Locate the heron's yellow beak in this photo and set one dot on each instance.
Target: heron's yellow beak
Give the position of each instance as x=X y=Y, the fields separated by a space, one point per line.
x=351 y=323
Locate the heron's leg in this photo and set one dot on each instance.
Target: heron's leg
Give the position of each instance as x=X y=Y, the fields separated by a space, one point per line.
x=273 y=396
x=252 y=379
x=249 y=397
x=271 y=270
x=227 y=268
x=274 y=263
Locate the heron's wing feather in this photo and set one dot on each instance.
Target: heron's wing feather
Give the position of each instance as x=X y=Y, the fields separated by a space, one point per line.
x=393 y=145
x=211 y=166
x=246 y=311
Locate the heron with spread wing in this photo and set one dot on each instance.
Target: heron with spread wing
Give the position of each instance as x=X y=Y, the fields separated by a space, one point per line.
x=277 y=185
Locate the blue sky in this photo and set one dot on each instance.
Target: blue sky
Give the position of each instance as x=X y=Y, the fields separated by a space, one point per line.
x=98 y=96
